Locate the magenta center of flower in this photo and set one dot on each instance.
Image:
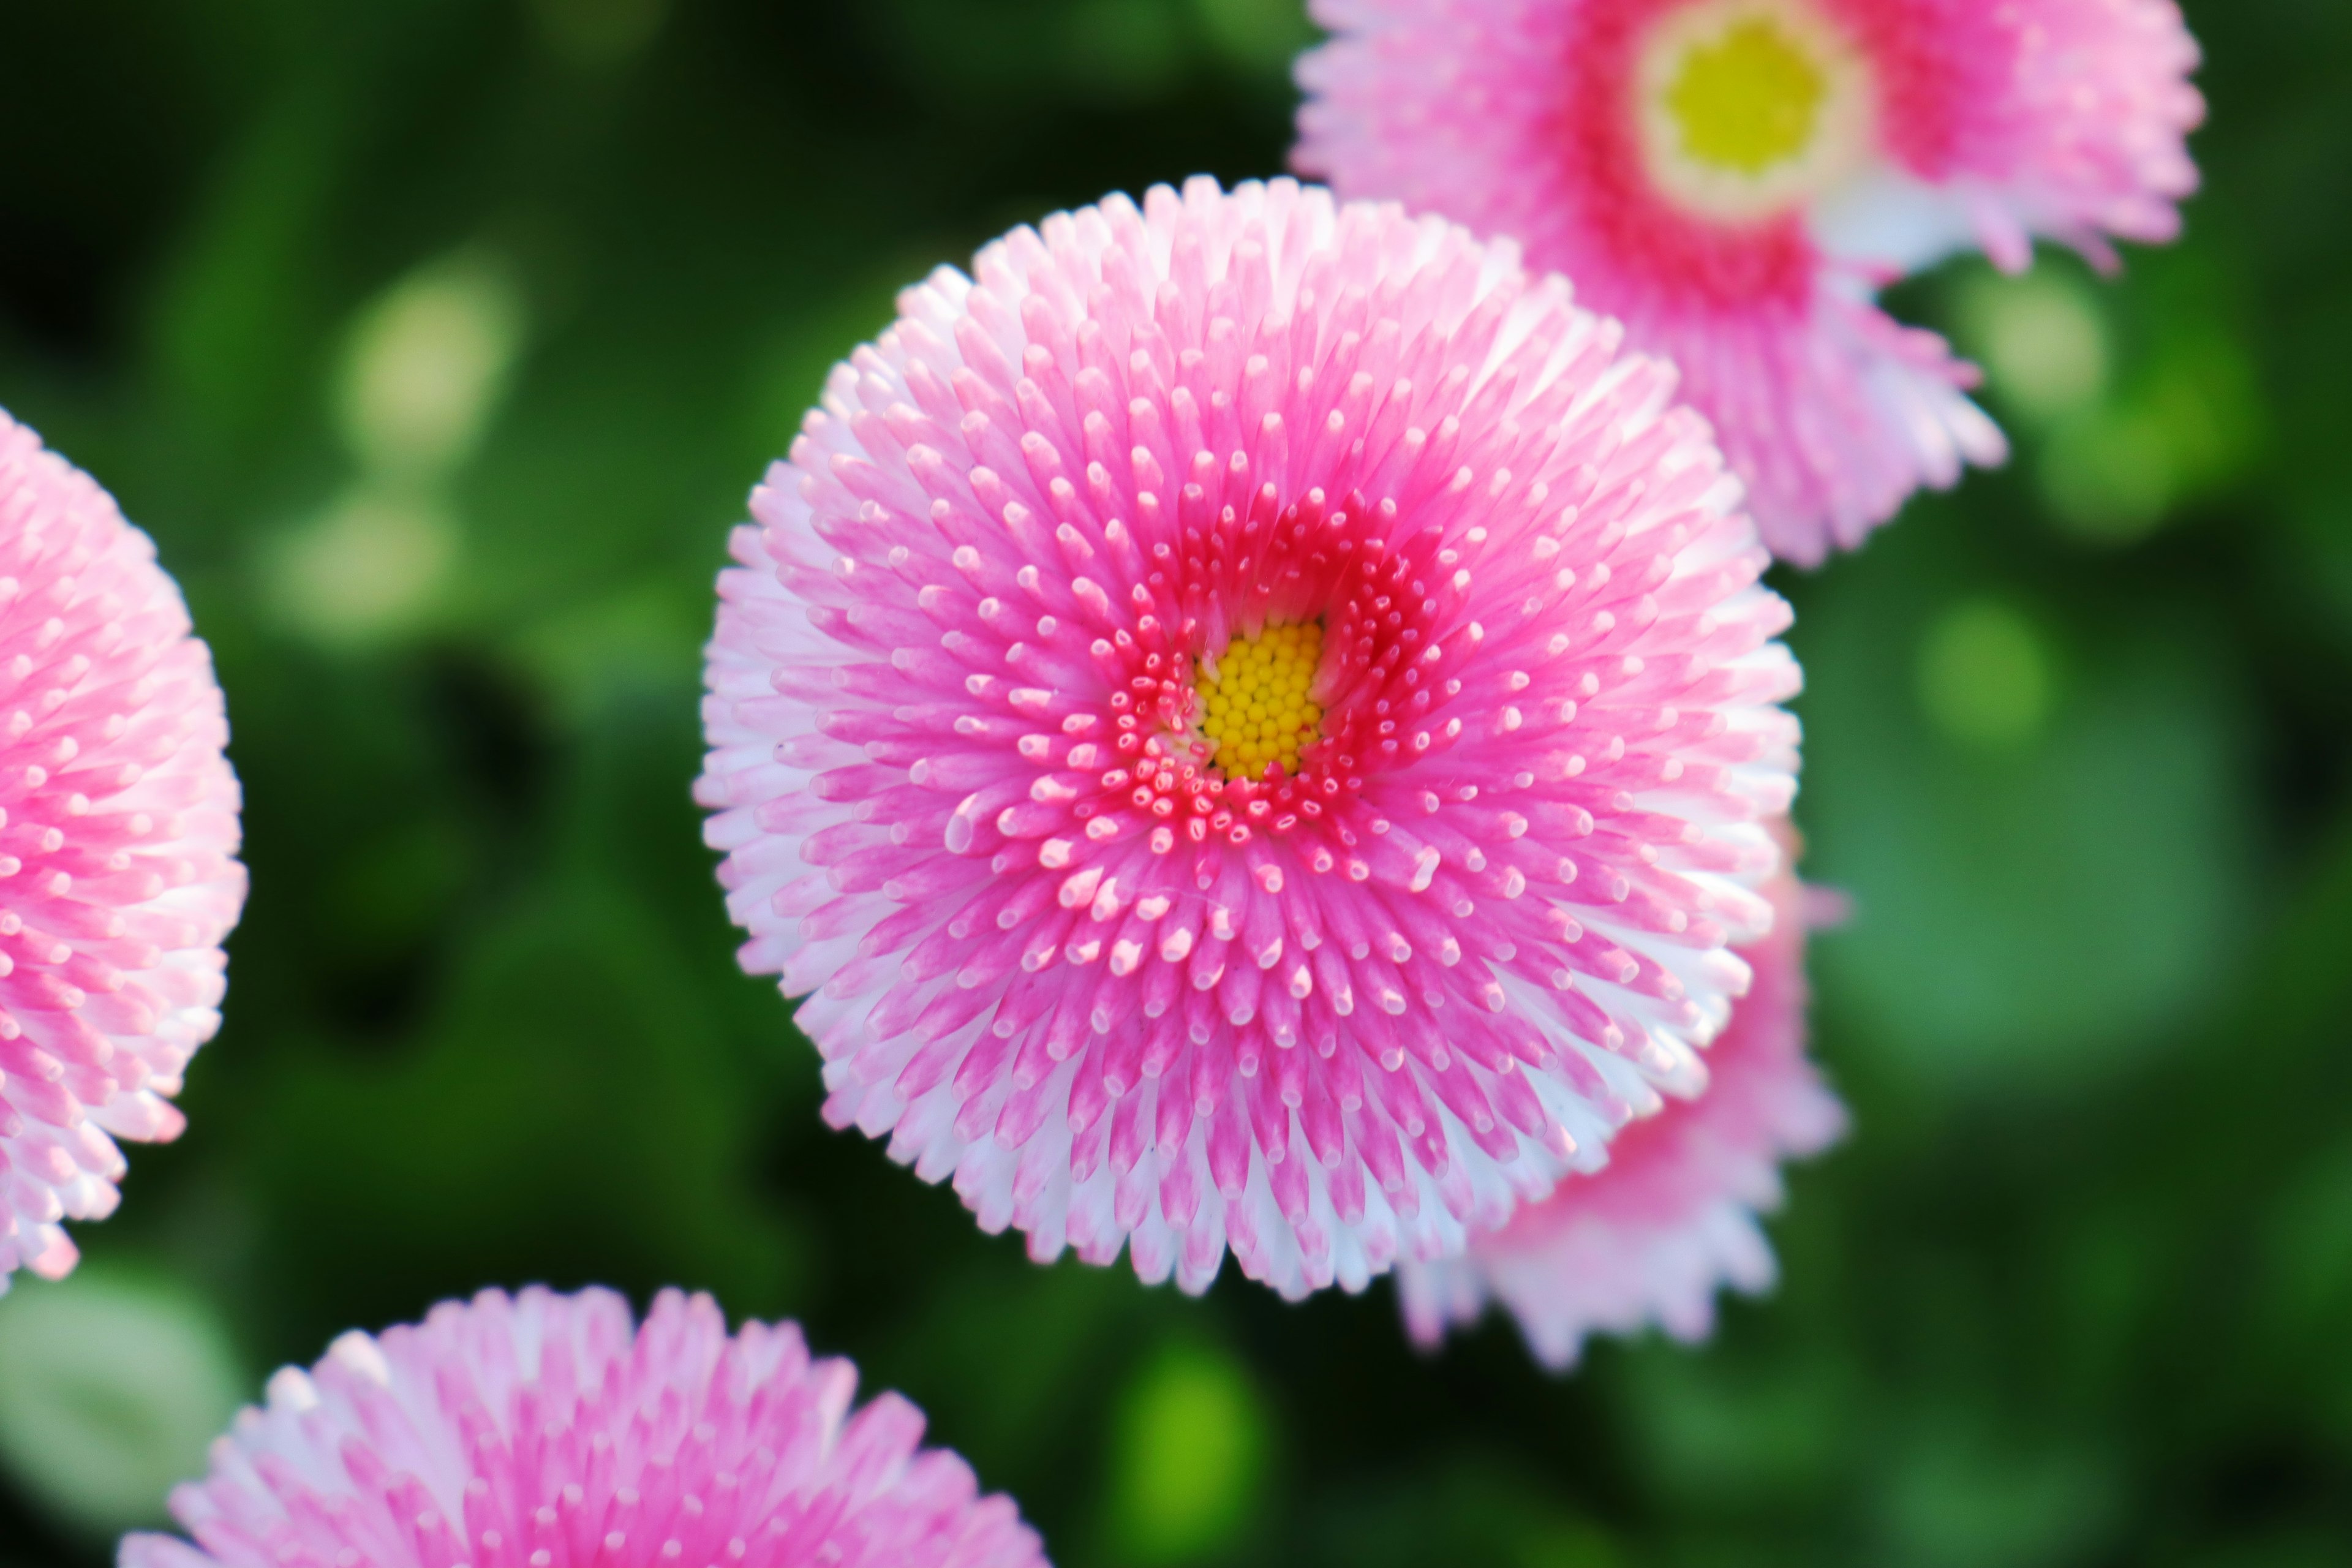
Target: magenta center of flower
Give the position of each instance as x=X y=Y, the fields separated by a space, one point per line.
x=1285 y=653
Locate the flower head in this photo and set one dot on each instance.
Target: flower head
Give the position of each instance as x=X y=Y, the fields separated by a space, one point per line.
x=1253 y=720
x=547 y=1431
x=1734 y=178
x=1652 y=1236
x=118 y=842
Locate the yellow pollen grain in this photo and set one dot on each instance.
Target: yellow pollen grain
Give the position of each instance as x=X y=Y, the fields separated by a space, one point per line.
x=1257 y=710
x=1748 y=99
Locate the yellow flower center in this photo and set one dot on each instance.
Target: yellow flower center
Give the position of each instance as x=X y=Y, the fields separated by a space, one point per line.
x=1748 y=99
x=1255 y=709
x=1749 y=108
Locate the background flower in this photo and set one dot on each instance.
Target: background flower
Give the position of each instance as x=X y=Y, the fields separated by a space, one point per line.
x=550 y=1429
x=118 y=842
x=1672 y=1218
x=1734 y=178
x=1254 y=723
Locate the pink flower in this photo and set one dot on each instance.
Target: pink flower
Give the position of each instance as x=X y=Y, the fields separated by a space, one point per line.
x=1253 y=720
x=118 y=842
x=1734 y=178
x=546 y=1431
x=1650 y=1236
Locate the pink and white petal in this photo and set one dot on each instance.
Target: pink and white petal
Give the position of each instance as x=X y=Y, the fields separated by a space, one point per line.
x=1652 y=1237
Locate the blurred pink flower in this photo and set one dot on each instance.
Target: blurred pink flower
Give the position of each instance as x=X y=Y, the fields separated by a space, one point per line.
x=118 y=842
x=1652 y=1236
x=1736 y=178
x=547 y=1430
x=1255 y=722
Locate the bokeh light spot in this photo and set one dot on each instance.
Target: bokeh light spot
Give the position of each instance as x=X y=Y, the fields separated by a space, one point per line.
x=373 y=564
x=2042 y=338
x=1985 y=678
x=2111 y=476
x=427 y=364
x=2186 y=428
x=1188 y=1459
x=110 y=1390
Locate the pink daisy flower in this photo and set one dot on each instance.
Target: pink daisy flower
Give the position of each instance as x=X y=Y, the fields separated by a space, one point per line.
x=547 y=1431
x=1734 y=178
x=1652 y=1236
x=1253 y=721
x=118 y=842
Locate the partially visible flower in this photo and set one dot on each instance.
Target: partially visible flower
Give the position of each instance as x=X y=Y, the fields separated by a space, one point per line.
x=118 y=842
x=1735 y=179
x=1255 y=723
x=546 y=1431
x=1651 y=1237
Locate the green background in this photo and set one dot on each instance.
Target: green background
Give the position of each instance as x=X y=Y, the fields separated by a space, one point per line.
x=439 y=341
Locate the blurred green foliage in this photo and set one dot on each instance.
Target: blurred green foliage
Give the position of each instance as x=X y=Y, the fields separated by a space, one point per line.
x=106 y=1387
x=438 y=342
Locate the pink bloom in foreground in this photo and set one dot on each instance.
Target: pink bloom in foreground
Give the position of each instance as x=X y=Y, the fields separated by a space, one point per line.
x=546 y=1431
x=1735 y=179
x=117 y=844
x=1671 y=1217
x=1253 y=720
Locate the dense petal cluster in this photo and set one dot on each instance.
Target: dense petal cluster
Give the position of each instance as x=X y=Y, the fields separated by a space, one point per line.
x=118 y=841
x=545 y=1431
x=1059 y=952
x=1651 y=1236
x=1734 y=178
